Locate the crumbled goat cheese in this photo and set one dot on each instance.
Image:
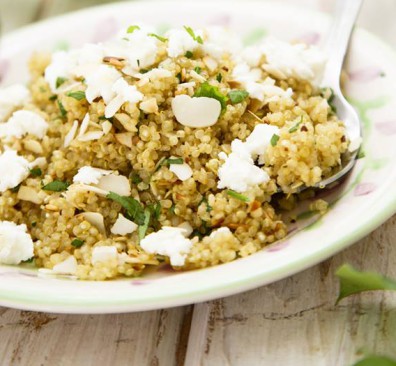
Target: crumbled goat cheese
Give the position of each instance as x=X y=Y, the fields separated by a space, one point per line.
x=88 y=175
x=123 y=93
x=61 y=66
x=182 y=171
x=219 y=41
x=123 y=226
x=169 y=241
x=68 y=266
x=104 y=254
x=22 y=123
x=259 y=140
x=16 y=245
x=220 y=232
x=12 y=97
x=196 y=112
x=238 y=171
x=179 y=42
x=14 y=169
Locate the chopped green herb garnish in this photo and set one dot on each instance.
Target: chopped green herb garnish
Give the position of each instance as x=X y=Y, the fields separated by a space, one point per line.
x=162 y=39
x=56 y=186
x=30 y=260
x=193 y=36
x=59 y=81
x=274 y=139
x=204 y=230
x=102 y=118
x=205 y=201
x=132 y=28
x=376 y=361
x=219 y=77
x=62 y=108
x=34 y=224
x=16 y=188
x=78 y=95
x=144 y=71
x=36 y=172
x=144 y=226
x=77 y=243
x=53 y=97
x=135 y=178
x=237 y=96
x=353 y=281
x=134 y=208
x=197 y=69
x=328 y=94
x=295 y=127
x=211 y=91
x=168 y=161
x=237 y=195
x=361 y=154
x=172 y=209
x=138 y=62
x=179 y=76
x=189 y=54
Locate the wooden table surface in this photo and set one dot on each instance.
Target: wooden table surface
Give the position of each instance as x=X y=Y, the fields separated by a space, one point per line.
x=291 y=322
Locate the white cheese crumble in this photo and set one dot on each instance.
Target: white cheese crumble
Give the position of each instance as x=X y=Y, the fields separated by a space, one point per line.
x=182 y=171
x=196 y=112
x=123 y=93
x=220 y=41
x=16 y=245
x=220 y=232
x=179 y=42
x=123 y=226
x=12 y=97
x=169 y=241
x=67 y=267
x=22 y=123
x=104 y=254
x=260 y=138
x=14 y=169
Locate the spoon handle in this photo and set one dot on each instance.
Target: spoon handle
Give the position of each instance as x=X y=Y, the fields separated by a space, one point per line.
x=340 y=32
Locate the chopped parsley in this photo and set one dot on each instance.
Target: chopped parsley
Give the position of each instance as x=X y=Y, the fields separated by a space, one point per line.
x=60 y=81
x=167 y=162
x=36 y=172
x=193 y=36
x=144 y=226
x=134 y=209
x=56 y=186
x=274 y=139
x=295 y=127
x=219 y=77
x=162 y=39
x=77 y=243
x=361 y=154
x=62 y=109
x=30 y=260
x=211 y=91
x=204 y=230
x=189 y=54
x=237 y=195
x=179 y=76
x=237 y=96
x=328 y=94
x=78 y=95
x=197 y=69
x=53 y=97
x=135 y=178
x=34 y=224
x=132 y=28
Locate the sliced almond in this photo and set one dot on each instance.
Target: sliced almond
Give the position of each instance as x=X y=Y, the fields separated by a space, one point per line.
x=149 y=106
x=91 y=136
x=182 y=171
x=29 y=194
x=115 y=183
x=33 y=146
x=124 y=138
x=210 y=63
x=96 y=219
x=71 y=134
x=106 y=127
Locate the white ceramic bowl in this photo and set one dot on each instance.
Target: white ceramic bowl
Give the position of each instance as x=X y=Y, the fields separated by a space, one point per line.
x=367 y=198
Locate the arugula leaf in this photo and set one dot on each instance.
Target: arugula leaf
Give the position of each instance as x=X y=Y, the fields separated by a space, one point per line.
x=162 y=39
x=191 y=32
x=134 y=208
x=59 y=81
x=56 y=186
x=211 y=91
x=274 y=139
x=78 y=95
x=237 y=96
x=237 y=195
x=295 y=127
x=132 y=28
x=61 y=108
x=376 y=361
x=35 y=172
x=77 y=243
x=353 y=281
x=143 y=227
x=189 y=54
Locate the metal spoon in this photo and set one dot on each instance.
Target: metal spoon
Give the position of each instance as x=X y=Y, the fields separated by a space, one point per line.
x=337 y=44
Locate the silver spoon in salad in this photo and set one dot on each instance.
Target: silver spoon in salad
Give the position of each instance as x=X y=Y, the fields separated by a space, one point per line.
x=336 y=47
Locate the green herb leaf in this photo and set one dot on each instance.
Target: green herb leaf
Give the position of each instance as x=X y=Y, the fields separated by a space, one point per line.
x=134 y=208
x=30 y=260
x=205 y=201
x=77 y=243
x=361 y=154
x=53 y=97
x=16 y=188
x=172 y=209
x=189 y=54
x=204 y=230
x=162 y=39
x=193 y=36
x=328 y=93
x=295 y=127
x=211 y=91
x=274 y=139
x=219 y=77
x=56 y=186
x=34 y=224
x=144 y=226
x=237 y=96
x=353 y=281
x=35 y=172
x=135 y=178
x=237 y=195
x=132 y=28
x=179 y=76
x=167 y=162
x=62 y=108
x=376 y=361
x=197 y=69
x=59 y=81
x=78 y=95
